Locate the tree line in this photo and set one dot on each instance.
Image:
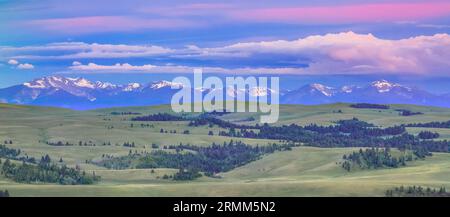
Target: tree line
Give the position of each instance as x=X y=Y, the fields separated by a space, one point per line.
x=417 y=191
x=79 y=143
x=435 y=124
x=47 y=172
x=186 y=174
x=14 y=154
x=4 y=193
x=125 y=113
x=205 y=119
x=158 y=117
x=347 y=133
x=405 y=112
x=369 y=106
x=428 y=135
x=375 y=158
x=210 y=160
x=90 y=143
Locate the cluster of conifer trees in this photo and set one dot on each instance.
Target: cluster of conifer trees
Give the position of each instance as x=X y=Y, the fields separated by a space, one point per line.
x=203 y=120
x=375 y=158
x=186 y=174
x=404 y=112
x=210 y=160
x=79 y=143
x=347 y=133
x=125 y=113
x=159 y=117
x=47 y=172
x=4 y=193
x=417 y=191
x=14 y=154
x=428 y=135
x=369 y=106
x=129 y=144
x=435 y=124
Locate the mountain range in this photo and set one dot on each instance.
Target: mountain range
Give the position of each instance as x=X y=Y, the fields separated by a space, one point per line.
x=381 y=91
x=80 y=93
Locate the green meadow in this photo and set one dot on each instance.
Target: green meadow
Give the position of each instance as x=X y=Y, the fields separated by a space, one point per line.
x=303 y=171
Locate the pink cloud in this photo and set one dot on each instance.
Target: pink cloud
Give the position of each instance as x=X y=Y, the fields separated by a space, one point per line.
x=94 y=24
x=348 y=53
x=347 y=13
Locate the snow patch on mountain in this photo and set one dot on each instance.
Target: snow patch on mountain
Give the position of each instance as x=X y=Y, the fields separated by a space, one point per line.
x=81 y=82
x=161 y=84
x=325 y=90
x=105 y=85
x=347 y=88
x=260 y=91
x=39 y=84
x=131 y=87
x=383 y=86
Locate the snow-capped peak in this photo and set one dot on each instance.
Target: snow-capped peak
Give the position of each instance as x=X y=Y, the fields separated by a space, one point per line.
x=104 y=85
x=47 y=82
x=161 y=84
x=254 y=91
x=67 y=83
x=325 y=90
x=348 y=88
x=384 y=86
x=36 y=84
x=131 y=86
x=81 y=82
x=260 y=91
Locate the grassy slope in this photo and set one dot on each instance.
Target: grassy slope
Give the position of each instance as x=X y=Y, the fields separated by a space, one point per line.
x=26 y=126
x=304 y=171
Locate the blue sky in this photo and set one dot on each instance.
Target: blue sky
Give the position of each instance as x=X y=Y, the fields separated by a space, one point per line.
x=148 y=40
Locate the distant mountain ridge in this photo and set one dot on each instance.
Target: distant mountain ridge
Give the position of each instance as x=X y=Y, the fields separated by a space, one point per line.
x=380 y=91
x=80 y=93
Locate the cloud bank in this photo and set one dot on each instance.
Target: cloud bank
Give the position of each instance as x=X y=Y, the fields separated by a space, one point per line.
x=346 y=53
x=340 y=53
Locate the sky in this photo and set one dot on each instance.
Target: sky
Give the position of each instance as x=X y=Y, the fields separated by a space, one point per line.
x=148 y=40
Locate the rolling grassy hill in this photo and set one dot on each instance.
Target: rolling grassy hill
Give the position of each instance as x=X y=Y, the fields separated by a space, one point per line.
x=304 y=171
